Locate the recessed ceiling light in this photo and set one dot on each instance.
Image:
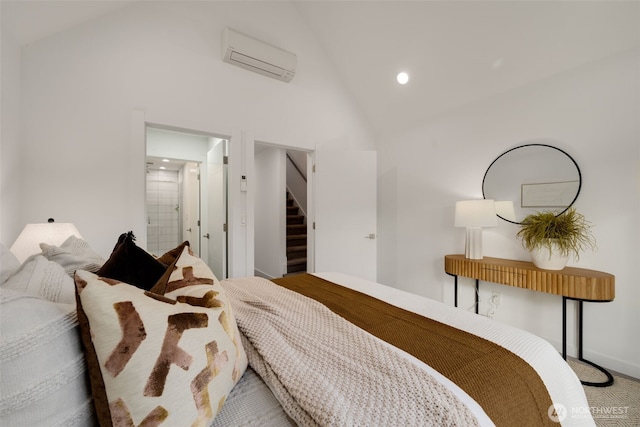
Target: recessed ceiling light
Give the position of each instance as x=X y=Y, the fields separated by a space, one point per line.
x=165 y=160
x=402 y=78
x=162 y=167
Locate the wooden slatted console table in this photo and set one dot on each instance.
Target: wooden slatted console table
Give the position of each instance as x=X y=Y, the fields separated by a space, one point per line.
x=571 y=283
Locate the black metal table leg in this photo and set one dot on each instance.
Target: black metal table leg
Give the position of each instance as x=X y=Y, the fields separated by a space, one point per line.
x=609 y=380
x=564 y=328
x=455 y=291
x=477 y=296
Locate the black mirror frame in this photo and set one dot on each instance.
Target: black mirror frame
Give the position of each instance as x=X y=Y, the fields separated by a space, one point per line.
x=539 y=145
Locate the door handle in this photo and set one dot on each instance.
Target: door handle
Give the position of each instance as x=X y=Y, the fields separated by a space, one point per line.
x=371 y=236
x=206 y=235
x=189 y=229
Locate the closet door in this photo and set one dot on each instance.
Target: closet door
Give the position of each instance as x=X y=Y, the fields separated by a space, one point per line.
x=345 y=212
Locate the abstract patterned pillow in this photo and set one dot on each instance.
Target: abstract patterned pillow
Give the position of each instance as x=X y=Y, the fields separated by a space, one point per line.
x=168 y=360
x=193 y=282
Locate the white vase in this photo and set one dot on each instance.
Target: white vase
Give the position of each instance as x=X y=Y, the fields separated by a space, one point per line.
x=549 y=259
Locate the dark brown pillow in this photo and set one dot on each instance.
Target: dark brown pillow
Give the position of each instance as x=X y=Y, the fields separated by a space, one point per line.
x=131 y=264
x=169 y=258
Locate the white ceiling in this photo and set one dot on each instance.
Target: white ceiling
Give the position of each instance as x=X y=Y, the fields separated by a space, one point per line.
x=456 y=52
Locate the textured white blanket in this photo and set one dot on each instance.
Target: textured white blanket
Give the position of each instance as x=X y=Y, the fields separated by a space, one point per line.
x=326 y=371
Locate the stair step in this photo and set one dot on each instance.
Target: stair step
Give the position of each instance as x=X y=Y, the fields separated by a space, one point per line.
x=296 y=236
x=295 y=219
x=297 y=254
x=296 y=229
x=296 y=240
x=296 y=261
x=301 y=268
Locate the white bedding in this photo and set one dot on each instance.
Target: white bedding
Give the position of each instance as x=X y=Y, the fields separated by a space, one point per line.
x=563 y=385
x=251 y=403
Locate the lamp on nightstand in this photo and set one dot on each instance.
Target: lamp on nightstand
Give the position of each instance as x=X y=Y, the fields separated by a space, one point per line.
x=474 y=215
x=52 y=233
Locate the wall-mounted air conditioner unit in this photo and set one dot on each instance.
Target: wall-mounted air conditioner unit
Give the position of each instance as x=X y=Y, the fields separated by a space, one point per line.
x=255 y=55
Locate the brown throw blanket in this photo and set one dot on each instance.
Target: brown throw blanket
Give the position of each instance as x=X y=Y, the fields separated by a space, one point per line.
x=507 y=388
x=326 y=371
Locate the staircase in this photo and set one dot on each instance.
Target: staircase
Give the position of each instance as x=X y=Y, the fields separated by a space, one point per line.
x=296 y=239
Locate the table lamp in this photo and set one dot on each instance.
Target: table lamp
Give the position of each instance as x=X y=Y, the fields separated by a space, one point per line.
x=505 y=210
x=52 y=233
x=475 y=214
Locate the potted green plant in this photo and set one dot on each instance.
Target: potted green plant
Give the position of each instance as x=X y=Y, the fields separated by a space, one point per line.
x=552 y=238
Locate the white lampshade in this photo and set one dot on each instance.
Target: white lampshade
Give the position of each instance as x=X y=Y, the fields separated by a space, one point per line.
x=475 y=214
x=505 y=209
x=52 y=233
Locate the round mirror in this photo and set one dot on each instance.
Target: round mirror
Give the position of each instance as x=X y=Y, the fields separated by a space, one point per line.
x=531 y=178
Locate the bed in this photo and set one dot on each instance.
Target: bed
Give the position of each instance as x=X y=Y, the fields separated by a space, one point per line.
x=399 y=359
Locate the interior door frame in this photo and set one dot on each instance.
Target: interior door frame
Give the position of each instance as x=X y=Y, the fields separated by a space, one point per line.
x=309 y=194
x=140 y=120
x=311 y=213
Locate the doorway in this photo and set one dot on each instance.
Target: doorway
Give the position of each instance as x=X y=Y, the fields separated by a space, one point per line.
x=187 y=194
x=281 y=226
x=172 y=203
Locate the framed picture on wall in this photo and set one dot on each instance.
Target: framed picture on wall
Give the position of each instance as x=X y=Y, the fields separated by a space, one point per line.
x=548 y=194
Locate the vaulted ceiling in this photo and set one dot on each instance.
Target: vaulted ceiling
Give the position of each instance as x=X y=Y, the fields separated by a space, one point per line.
x=455 y=52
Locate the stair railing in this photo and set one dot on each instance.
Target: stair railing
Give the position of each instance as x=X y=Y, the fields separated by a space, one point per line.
x=297 y=185
x=295 y=165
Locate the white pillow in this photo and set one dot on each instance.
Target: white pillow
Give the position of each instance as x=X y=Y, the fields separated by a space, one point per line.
x=42 y=365
x=8 y=263
x=43 y=278
x=74 y=254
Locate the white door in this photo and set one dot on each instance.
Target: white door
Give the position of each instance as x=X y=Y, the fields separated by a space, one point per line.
x=191 y=203
x=216 y=236
x=345 y=212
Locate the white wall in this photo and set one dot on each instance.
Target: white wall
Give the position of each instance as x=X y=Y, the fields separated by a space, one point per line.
x=270 y=218
x=10 y=157
x=81 y=89
x=593 y=113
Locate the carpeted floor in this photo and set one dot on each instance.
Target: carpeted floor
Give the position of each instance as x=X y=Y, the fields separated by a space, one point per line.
x=617 y=405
